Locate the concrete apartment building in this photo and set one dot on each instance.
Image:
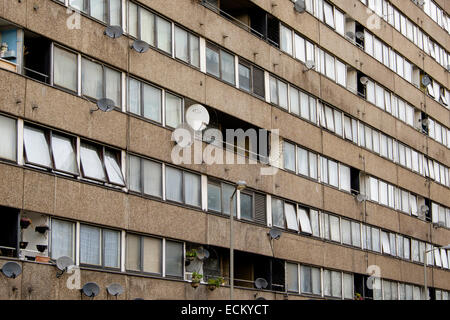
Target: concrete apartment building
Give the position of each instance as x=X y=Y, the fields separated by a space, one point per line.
x=358 y=179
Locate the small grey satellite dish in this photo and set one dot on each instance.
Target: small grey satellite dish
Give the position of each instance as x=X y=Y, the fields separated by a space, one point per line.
x=63 y=263
x=359 y=35
x=202 y=254
x=114 y=289
x=261 y=283
x=197 y=117
x=274 y=234
x=309 y=65
x=140 y=46
x=426 y=81
x=90 y=289
x=114 y=31
x=360 y=197
x=11 y=269
x=364 y=80
x=105 y=105
x=300 y=6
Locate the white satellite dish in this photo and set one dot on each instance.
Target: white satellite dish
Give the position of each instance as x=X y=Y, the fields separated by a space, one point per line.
x=364 y=80
x=197 y=117
x=309 y=65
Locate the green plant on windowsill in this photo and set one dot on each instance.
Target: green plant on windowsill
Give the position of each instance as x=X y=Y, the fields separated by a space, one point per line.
x=191 y=254
x=358 y=296
x=214 y=283
x=196 y=278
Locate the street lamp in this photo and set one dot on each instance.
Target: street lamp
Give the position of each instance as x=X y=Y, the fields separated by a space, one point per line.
x=240 y=185
x=425 y=261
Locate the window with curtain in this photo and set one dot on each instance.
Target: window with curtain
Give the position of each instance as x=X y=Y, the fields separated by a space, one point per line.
x=212 y=60
x=174 y=110
x=133 y=253
x=91 y=79
x=65 y=69
x=356 y=234
x=346 y=231
x=244 y=77
x=144 y=254
x=347 y=280
x=344 y=181
x=90 y=245
x=300 y=50
x=292 y=277
x=227 y=67
x=291 y=216
x=111 y=248
x=328 y=13
x=91 y=162
x=112 y=167
x=289 y=156
x=174 y=184
x=246 y=206
x=174 y=259
x=315 y=224
x=302 y=161
x=214 y=197
x=335 y=234
x=144 y=176
x=146 y=26
x=64 y=154
x=36 y=147
x=286 y=39
x=277 y=213
x=164 y=34
x=8 y=132
x=303 y=220
x=62 y=239
x=192 y=189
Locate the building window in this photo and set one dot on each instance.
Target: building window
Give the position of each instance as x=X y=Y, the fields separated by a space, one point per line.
x=187 y=47
x=219 y=195
x=306 y=163
x=61 y=156
x=285 y=39
x=174 y=259
x=8 y=132
x=108 y=11
x=310 y=280
x=219 y=63
x=174 y=110
x=251 y=79
x=99 y=81
x=9 y=232
x=101 y=164
x=65 y=69
x=278 y=92
x=332 y=283
x=62 y=239
x=292 y=277
x=144 y=100
x=289 y=156
x=99 y=247
x=144 y=176
x=183 y=187
x=278 y=213
x=144 y=254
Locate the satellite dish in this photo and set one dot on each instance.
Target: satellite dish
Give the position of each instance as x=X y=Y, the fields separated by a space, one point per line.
x=309 y=65
x=202 y=254
x=426 y=81
x=106 y=105
x=360 y=35
x=114 y=31
x=300 y=6
x=421 y=2
x=261 y=283
x=140 y=46
x=11 y=269
x=90 y=289
x=197 y=117
x=274 y=234
x=425 y=122
x=360 y=197
x=364 y=80
x=114 y=289
x=63 y=263
x=260 y=298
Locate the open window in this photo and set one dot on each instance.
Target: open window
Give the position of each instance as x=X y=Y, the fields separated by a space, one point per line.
x=36 y=57
x=11 y=40
x=9 y=232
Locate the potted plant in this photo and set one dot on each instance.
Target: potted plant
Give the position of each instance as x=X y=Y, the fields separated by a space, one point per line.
x=25 y=222
x=358 y=296
x=196 y=277
x=214 y=283
x=41 y=247
x=191 y=254
x=42 y=229
x=23 y=244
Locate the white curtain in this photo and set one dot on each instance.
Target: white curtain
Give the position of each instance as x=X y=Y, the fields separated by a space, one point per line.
x=294 y=100
x=289 y=156
x=62 y=239
x=277 y=213
x=174 y=187
x=286 y=39
x=92 y=79
x=152 y=253
x=376 y=240
x=174 y=258
x=333 y=173
x=132 y=19
x=346 y=231
x=304 y=221
x=181 y=44
x=152 y=180
x=315 y=225
x=292 y=277
x=133 y=253
x=64 y=154
x=98 y=9
x=8 y=132
x=134 y=173
x=152 y=102
x=173 y=110
x=192 y=189
x=111 y=248
x=315 y=277
x=115 y=13
x=305 y=279
x=304 y=105
x=283 y=94
x=348 y=286
x=291 y=216
x=113 y=83
x=356 y=234
x=227 y=66
x=336 y=284
x=90 y=245
x=302 y=161
x=147 y=26
x=65 y=69
x=300 y=52
x=134 y=96
x=164 y=29
x=334 y=229
x=194 y=53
